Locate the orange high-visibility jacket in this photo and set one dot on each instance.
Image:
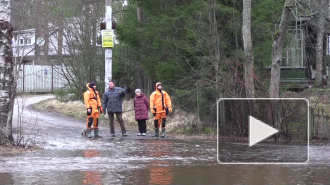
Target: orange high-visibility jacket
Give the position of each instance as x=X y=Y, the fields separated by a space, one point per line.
x=160 y=100
x=91 y=99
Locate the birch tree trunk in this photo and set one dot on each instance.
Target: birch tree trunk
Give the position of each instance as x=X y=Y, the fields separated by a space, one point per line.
x=276 y=63
x=7 y=83
x=248 y=49
x=5 y=10
x=277 y=49
x=322 y=9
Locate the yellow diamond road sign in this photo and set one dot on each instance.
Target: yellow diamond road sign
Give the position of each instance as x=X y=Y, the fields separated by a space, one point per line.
x=107 y=38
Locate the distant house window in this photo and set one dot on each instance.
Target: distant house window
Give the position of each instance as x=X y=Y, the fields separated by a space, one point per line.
x=28 y=41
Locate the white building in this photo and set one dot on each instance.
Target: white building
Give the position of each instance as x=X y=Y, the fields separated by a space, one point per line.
x=24 y=44
x=34 y=77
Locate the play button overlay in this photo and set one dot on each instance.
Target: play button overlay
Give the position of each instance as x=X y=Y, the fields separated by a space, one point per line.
x=263 y=130
x=259 y=131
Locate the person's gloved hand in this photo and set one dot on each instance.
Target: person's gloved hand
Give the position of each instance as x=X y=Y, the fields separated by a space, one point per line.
x=101 y=110
x=120 y=91
x=170 y=109
x=124 y=87
x=153 y=111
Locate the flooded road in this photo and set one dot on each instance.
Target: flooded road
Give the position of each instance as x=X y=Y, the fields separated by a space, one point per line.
x=68 y=158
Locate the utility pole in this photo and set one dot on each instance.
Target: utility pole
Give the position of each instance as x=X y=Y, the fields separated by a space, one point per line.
x=108 y=51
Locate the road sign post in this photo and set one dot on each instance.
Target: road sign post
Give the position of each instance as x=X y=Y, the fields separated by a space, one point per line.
x=107 y=42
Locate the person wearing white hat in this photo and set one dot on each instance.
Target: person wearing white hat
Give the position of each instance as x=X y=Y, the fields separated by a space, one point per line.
x=141 y=106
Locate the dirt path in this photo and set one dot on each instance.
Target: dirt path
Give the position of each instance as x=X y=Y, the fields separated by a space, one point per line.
x=43 y=126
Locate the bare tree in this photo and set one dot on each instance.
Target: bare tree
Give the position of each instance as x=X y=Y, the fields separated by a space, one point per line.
x=74 y=40
x=321 y=15
x=278 y=48
x=248 y=50
x=9 y=68
x=278 y=43
x=7 y=85
x=41 y=30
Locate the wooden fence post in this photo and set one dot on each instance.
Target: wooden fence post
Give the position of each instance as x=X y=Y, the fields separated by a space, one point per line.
x=311 y=122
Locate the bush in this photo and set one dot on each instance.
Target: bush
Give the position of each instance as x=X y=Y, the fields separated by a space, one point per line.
x=66 y=94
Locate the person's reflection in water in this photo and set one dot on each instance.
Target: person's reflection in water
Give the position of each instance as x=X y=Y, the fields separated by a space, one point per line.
x=92 y=177
x=161 y=172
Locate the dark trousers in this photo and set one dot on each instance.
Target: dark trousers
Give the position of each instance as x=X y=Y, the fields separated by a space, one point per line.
x=142 y=126
x=120 y=120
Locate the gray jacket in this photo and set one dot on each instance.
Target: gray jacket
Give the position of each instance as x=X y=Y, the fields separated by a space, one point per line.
x=112 y=100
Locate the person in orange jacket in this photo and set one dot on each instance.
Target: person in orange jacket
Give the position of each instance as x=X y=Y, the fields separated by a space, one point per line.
x=94 y=108
x=160 y=102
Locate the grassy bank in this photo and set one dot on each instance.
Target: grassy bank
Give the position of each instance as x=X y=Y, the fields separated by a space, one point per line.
x=318 y=98
x=179 y=122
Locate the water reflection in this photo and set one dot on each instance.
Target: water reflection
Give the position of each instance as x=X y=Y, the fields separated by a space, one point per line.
x=161 y=172
x=92 y=176
x=154 y=162
x=161 y=175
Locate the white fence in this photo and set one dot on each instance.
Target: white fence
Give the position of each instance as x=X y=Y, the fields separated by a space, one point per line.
x=37 y=78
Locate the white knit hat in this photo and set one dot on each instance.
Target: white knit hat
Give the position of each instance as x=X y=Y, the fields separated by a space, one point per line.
x=137 y=91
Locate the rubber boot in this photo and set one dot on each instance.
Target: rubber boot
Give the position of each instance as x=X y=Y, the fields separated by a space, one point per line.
x=123 y=134
x=96 y=133
x=156 y=132
x=84 y=132
x=89 y=130
x=163 y=132
x=89 y=135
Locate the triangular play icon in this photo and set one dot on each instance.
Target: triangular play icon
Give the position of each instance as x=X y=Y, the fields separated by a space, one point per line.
x=259 y=131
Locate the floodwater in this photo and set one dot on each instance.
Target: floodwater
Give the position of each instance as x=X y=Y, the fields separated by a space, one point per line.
x=68 y=158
